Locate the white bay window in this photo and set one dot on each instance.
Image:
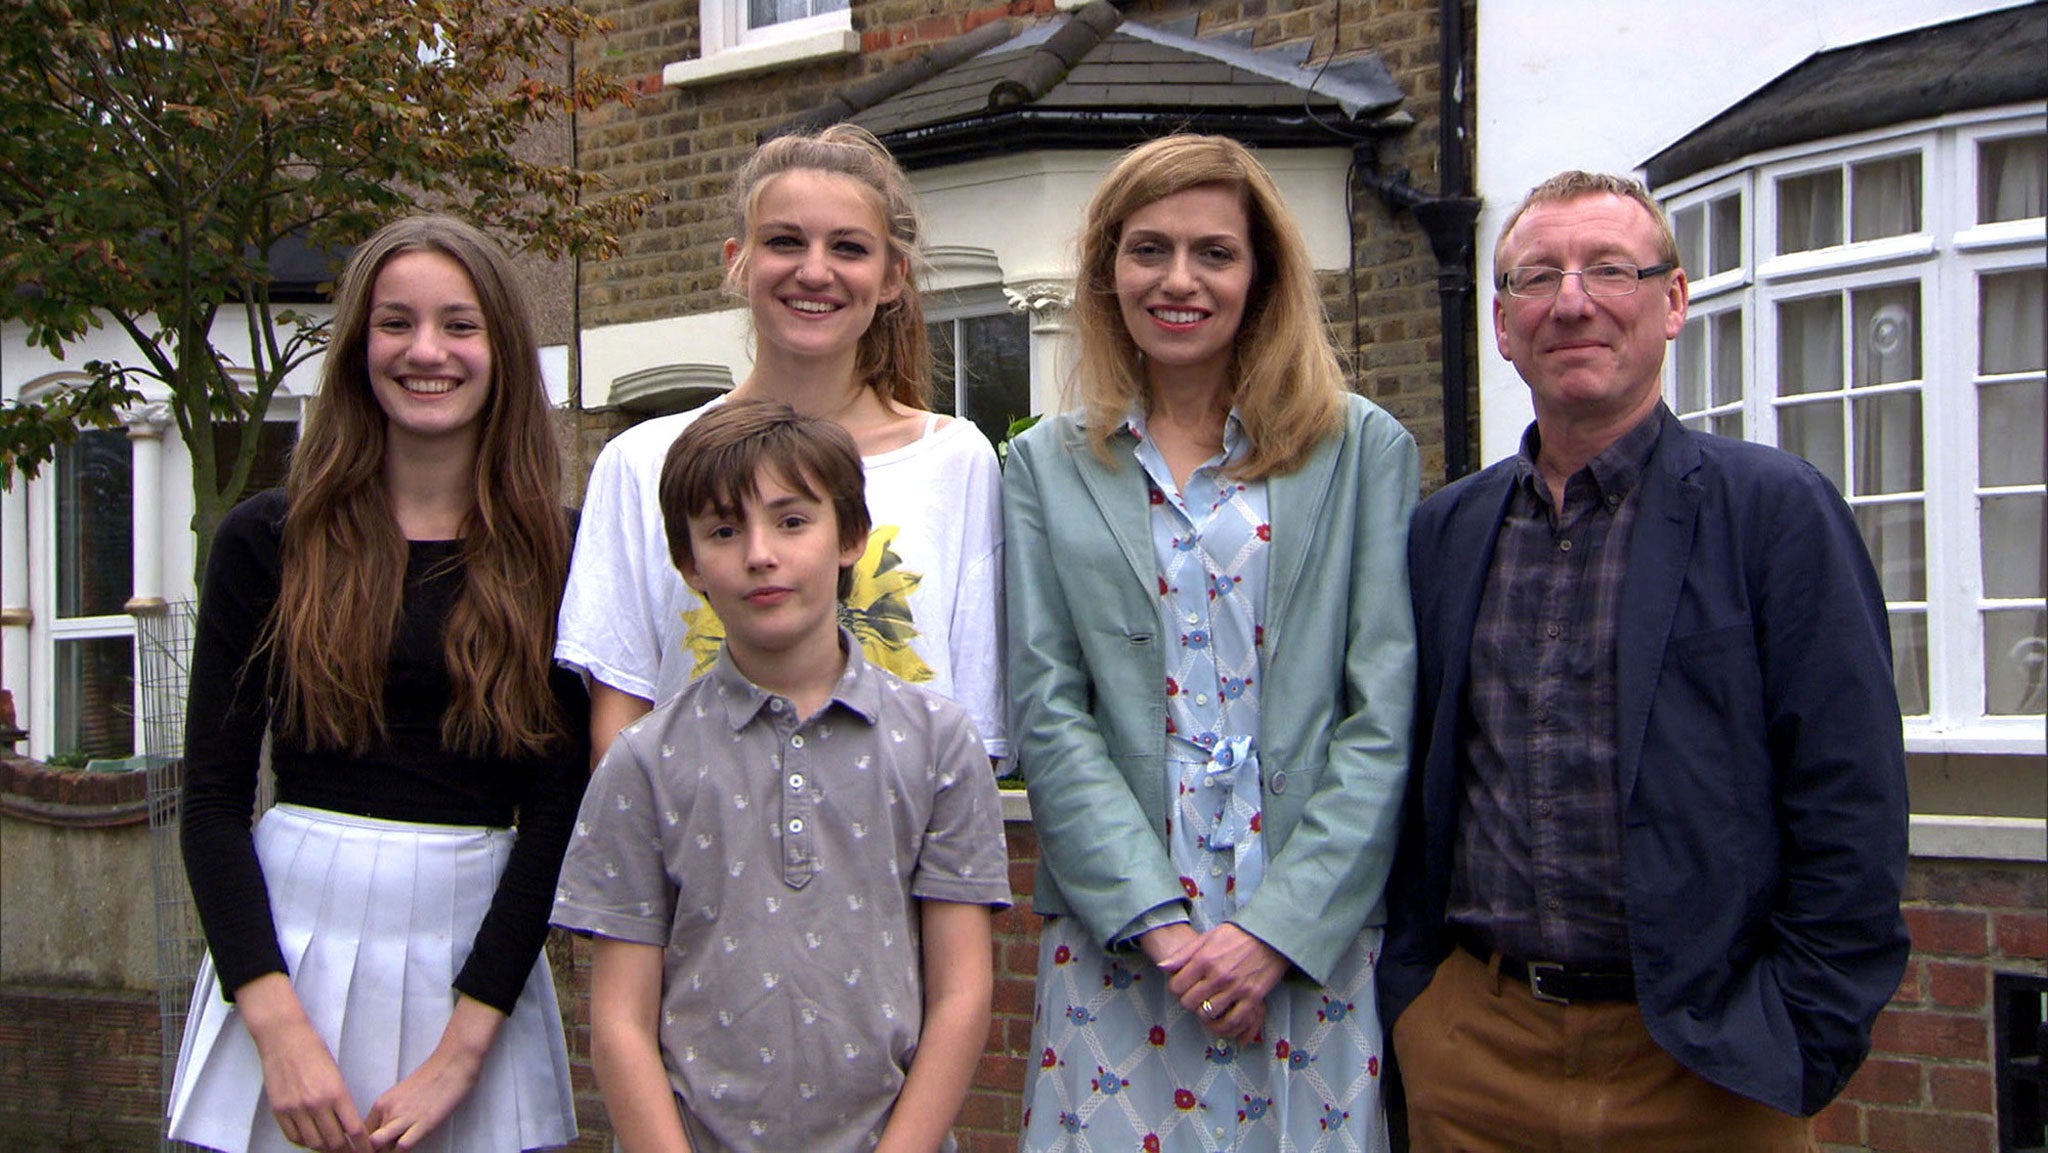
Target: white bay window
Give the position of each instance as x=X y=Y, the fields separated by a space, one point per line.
x=1876 y=305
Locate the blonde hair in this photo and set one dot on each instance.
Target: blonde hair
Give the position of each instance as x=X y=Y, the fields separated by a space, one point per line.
x=343 y=556
x=1574 y=183
x=1287 y=378
x=894 y=357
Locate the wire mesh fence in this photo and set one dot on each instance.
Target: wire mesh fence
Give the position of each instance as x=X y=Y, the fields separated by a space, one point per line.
x=165 y=650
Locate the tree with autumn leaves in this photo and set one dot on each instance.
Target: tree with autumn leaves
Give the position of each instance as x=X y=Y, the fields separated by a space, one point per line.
x=156 y=157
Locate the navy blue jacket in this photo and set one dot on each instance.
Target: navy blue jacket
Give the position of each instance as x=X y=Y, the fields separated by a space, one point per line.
x=1761 y=764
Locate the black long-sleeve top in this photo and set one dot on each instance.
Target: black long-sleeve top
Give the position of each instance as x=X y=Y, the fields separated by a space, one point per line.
x=407 y=776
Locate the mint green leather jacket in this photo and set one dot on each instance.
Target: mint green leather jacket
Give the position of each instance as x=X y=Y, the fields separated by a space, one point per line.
x=1087 y=682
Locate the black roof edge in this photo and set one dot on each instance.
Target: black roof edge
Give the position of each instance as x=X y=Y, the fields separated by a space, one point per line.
x=1979 y=61
x=1013 y=130
x=852 y=99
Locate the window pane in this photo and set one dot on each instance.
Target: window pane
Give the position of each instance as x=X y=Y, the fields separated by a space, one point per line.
x=944 y=365
x=1909 y=661
x=761 y=13
x=1810 y=211
x=1691 y=355
x=274 y=440
x=1888 y=444
x=1690 y=227
x=2010 y=178
x=1814 y=431
x=1810 y=345
x=1895 y=534
x=1724 y=234
x=1728 y=424
x=1887 y=334
x=2012 y=546
x=2011 y=321
x=995 y=352
x=1886 y=195
x=2015 y=662
x=95 y=697
x=2012 y=446
x=94 y=495
x=1727 y=357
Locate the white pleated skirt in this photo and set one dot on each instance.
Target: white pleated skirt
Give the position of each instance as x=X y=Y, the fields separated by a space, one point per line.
x=375 y=919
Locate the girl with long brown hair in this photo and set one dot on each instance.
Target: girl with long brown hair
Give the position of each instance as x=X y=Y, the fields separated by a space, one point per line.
x=373 y=973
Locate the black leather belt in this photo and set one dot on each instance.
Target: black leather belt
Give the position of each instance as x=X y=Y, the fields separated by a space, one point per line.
x=1556 y=983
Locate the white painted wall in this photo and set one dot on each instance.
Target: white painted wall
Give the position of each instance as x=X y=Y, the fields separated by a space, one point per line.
x=1606 y=84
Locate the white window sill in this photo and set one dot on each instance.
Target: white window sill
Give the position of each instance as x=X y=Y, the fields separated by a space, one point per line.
x=1979 y=838
x=748 y=59
x=1845 y=257
x=2017 y=736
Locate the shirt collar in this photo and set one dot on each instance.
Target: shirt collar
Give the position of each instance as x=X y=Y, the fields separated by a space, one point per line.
x=1235 y=443
x=1617 y=468
x=859 y=690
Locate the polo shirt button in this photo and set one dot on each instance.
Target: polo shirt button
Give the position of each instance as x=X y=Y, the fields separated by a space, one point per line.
x=774 y=704
x=1201 y=698
x=796 y=824
x=1553 y=904
x=1278 y=782
x=1194 y=618
x=1549 y=630
x=797 y=741
x=796 y=782
x=1564 y=546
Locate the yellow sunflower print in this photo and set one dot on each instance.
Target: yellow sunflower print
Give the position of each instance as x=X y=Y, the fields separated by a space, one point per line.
x=876 y=611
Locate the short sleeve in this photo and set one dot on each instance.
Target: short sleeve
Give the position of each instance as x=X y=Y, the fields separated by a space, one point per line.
x=614 y=880
x=607 y=628
x=964 y=857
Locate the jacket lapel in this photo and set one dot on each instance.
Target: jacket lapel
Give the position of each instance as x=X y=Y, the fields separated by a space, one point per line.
x=1119 y=495
x=1294 y=504
x=1659 y=552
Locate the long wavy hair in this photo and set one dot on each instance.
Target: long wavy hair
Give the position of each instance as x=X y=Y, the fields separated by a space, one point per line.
x=894 y=356
x=1288 y=380
x=344 y=557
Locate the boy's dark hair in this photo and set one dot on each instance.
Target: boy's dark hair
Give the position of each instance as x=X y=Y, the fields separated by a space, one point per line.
x=716 y=465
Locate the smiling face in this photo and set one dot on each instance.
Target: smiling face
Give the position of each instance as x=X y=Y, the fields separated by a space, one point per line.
x=815 y=265
x=1184 y=269
x=770 y=568
x=428 y=352
x=1589 y=359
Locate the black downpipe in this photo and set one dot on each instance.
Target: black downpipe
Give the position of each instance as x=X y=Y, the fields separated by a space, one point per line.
x=1448 y=219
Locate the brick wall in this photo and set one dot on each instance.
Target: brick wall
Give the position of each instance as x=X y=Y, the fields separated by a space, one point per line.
x=79 y=1070
x=1929 y=1085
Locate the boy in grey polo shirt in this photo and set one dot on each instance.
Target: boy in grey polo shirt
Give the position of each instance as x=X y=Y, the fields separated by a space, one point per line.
x=789 y=869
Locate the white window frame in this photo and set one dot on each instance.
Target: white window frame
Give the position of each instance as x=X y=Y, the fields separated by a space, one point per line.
x=59 y=629
x=1946 y=257
x=728 y=47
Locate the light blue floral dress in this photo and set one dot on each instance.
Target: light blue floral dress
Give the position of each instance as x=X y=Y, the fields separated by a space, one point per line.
x=1121 y=1065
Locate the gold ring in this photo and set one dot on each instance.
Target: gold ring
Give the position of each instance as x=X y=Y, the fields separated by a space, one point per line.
x=1208 y=1010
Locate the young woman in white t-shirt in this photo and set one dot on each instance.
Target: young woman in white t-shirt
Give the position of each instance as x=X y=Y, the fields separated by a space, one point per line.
x=824 y=251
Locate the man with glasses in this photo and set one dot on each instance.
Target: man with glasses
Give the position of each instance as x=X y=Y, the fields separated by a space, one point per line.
x=1647 y=892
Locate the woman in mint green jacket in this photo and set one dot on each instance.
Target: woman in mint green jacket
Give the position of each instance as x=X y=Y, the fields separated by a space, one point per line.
x=1211 y=666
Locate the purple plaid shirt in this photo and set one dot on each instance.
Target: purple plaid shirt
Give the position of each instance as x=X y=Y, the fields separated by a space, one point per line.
x=1537 y=870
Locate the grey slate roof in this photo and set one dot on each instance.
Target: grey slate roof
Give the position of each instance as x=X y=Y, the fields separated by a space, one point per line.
x=1977 y=62
x=1091 y=78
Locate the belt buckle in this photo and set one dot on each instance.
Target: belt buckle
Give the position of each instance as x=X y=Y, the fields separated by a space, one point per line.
x=1539 y=970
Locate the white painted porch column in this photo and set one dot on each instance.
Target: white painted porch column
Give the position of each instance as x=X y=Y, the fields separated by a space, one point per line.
x=1047 y=302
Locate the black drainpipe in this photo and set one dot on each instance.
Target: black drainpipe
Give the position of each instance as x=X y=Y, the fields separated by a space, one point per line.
x=1448 y=219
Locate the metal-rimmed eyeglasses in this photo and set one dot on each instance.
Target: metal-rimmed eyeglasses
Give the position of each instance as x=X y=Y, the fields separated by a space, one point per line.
x=1540 y=282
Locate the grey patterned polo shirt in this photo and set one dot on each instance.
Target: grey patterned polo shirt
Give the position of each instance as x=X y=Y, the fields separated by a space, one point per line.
x=779 y=860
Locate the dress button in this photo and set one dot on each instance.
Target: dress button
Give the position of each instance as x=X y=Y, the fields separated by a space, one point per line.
x=1543 y=808
x=797 y=741
x=1549 y=630
x=1564 y=546
x=1278 y=782
x=796 y=782
x=796 y=824
x=774 y=704
x=1553 y=904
